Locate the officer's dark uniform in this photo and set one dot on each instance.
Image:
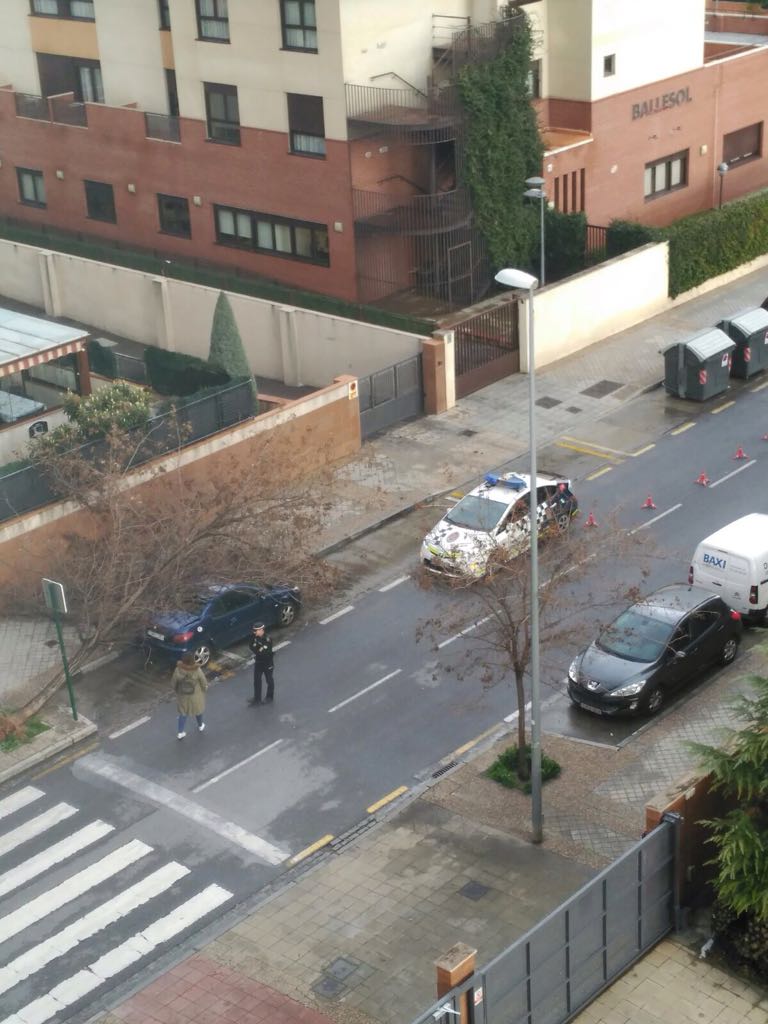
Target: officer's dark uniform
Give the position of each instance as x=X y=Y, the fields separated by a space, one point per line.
x=262 y=666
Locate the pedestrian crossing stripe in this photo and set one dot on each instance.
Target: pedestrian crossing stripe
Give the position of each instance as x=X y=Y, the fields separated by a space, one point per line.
x=16 y=801
x=63 y=850
x=35 y=827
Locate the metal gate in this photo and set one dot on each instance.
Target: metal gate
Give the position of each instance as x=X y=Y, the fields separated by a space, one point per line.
x=557 y=968
x=390 y=395
x=487 y=347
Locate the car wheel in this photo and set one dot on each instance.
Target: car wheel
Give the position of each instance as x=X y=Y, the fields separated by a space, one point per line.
x=655 y=701
x=729 y=651
x=286 y=614
x=202 y=655
x=563 y=521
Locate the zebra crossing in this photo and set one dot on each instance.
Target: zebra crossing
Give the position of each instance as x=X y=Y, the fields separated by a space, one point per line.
x=68 y=930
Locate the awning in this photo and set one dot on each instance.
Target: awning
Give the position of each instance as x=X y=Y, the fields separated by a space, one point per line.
x=27 y=341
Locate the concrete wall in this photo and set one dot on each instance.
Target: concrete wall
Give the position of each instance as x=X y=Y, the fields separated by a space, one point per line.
x=297 y=346
x=597 y=303
x=313 y=431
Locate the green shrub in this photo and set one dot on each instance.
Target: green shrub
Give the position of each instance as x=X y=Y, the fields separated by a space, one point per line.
x=226 y=348
x=565 y=242
x=504 y=769
x=120 y=405
x=174 y=373
x=624 y=235
x=101 y=359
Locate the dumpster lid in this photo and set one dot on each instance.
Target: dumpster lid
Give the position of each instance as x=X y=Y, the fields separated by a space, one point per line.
x=706 y=344
x=751 y=320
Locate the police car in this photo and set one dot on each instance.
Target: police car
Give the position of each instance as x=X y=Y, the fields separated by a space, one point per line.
x=494 y=517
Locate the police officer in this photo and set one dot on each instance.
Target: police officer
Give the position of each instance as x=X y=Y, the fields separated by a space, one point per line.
x=263 y=662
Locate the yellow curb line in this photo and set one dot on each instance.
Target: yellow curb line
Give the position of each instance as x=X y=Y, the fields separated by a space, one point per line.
x=642 y=451
x=588 y=451
x=759 y=387
x=720 y=408
x=685 y=426
x=468 y=746
x=599 y=472
x=68 y=760
x=311 y=849
x=387 y=799
x=455 y=494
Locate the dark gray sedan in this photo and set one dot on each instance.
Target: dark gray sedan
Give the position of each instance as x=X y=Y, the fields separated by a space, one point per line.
x=651 y=649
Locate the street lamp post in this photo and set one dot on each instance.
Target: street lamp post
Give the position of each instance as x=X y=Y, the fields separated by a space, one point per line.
x=527 y=282
x=535 y=190
x=722 y=170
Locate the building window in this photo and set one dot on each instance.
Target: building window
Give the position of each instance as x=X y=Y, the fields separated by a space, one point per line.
x=100 y=201
x=174 y=215
x=534 y=80
x=745 y=144
x=609 y=65
x=81 y=10
x=31 y=187
x=306 y=124
x=223 y=113
x=172 y=91
x=165 y=13
x=666 y=175
x=299 y=25
x=276 y=236
x=89 y=85
x=213 y=20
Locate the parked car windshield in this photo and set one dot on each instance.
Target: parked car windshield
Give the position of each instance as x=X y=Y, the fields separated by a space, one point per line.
x=476 y=513
x=636 y=637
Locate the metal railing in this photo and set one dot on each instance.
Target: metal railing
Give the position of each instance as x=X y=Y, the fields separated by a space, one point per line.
x=411 y=215
x=476 y=45
x=162 y=126
x=56 y=109
x=28 y=105
x=407 y=114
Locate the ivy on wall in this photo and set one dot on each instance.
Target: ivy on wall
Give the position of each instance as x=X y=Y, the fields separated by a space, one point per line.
x=503 y=148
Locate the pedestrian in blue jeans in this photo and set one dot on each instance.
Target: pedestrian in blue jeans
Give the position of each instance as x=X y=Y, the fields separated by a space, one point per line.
x=190 y=685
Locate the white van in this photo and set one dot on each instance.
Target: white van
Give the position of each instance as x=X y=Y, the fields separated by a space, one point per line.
x=733 y=563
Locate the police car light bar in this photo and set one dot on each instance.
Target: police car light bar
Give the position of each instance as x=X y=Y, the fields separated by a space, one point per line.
x=509 y=480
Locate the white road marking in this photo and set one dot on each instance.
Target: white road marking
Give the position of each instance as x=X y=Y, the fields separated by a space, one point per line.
x=38 y=957
x=139 y=945
x=337 y=615
x=20 y=799
x=281 y=645
x=732 y=473
x=240 y=764
x=373 y=686
x=655 y=519
x=457 y=636
x=80 y=883
x=128 y=728
x=394 y=583
x=99 y=764
x=516 y=714
x=35 y=827
x=759 y=386
x=47 y=859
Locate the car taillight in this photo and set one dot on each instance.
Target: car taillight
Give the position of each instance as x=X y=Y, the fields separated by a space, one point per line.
x=690 y=575
x=181 y=638
x=736 y=616
x=753 y=595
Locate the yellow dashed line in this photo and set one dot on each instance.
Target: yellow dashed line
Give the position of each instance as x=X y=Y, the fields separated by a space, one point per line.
x=599 y=472
x=386 y=799
x=311 y=849
x=478 y=739
x=642 y=451
x=67 y=760
x=760 y=387
x=588 y=451
x=456 y=494
x=683 y=428
x=720 y=408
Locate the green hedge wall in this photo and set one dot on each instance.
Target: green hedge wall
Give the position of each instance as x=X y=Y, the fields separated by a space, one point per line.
x=624 y=235
x=173 y=373
x=101 y=359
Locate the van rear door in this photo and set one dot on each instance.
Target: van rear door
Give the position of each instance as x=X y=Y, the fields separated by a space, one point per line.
x=725 y=574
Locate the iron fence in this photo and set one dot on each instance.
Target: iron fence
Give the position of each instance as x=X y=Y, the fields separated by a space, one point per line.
x=191 y=420
x=402 y=214
x=130 y=368
x=596 y=242
x=390 y=395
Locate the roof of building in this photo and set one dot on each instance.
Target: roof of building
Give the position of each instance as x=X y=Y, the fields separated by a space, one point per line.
x=29 y=341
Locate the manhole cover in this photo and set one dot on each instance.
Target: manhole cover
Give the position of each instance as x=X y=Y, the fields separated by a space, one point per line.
x=341 y=968
x=474 y=890
x=548 y=403
x=329 y=988
x=601 y=389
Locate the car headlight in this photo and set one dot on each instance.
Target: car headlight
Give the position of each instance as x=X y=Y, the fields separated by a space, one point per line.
x=630 y=690
x=573 y=671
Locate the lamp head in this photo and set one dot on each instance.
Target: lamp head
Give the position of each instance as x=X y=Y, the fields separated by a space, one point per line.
x=512 y=278
x=535 y=193
x=534 y=182
x=722 y=169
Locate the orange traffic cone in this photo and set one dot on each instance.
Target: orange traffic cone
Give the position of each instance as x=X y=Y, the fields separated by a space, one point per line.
x=740 y=453
x=765 y=437
x=590 y=520
x=648 y=503
x=702 y=479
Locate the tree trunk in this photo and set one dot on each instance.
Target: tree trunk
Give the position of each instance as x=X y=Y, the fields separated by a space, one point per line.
x=523 y=766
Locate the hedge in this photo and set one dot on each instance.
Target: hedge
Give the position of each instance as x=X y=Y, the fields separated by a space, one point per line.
x=174 y=373
x=101 y=359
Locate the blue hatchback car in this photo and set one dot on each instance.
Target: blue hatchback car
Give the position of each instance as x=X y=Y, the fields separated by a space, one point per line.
x=220 y=615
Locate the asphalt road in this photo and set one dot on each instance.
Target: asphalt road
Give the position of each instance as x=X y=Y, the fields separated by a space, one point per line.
x=364 y=712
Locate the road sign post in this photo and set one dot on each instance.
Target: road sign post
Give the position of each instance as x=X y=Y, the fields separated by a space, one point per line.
x=56 y=602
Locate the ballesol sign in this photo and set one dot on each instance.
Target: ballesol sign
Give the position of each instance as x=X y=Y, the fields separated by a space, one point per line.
x=666 y=101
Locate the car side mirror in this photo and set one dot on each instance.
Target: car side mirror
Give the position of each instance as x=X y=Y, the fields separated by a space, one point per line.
x=679 y=655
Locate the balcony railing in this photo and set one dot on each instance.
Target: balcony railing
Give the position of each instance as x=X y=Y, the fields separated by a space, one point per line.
x=162 y=126
x=57 y=109
x=411 y=215
x=28 y=105
x=409 y=114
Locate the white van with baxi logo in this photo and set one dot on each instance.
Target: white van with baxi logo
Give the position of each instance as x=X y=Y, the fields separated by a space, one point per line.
x=733 y=563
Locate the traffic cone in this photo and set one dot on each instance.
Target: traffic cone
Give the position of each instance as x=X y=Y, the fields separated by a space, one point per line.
x=765 y=437
x=702 y=479
x=740 y=453
x=648 y=503
x=590 y=520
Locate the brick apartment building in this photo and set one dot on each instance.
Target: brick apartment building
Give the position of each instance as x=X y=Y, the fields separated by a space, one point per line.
x=319 y=142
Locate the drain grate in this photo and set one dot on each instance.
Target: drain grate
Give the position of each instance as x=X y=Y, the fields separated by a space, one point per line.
x=548 y=403
x=329 y=988
x=444 y=769
x=601 y=389
x=347 y=838
x=474 y=890
x=341 y=968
